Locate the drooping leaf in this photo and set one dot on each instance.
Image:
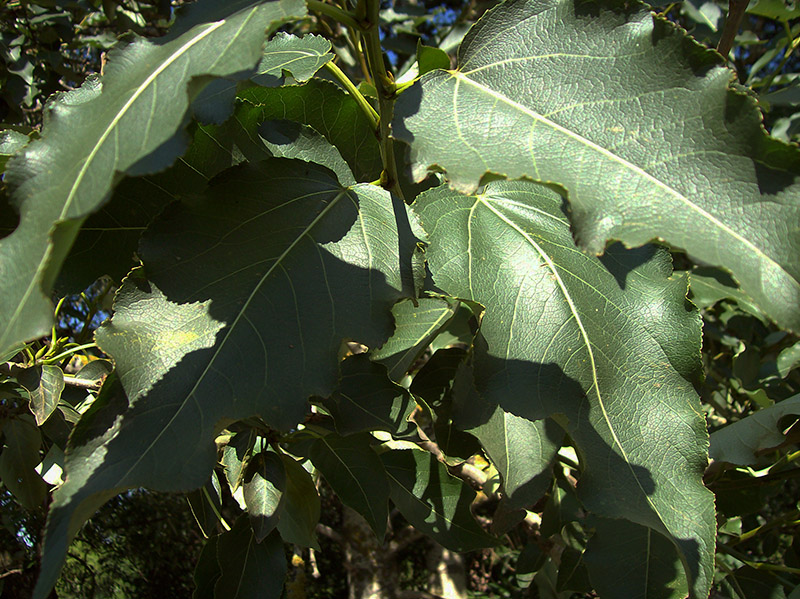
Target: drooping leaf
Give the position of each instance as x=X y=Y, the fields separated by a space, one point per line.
x=249 y=569
x=235 y=457
x=206 y=503
x=521 y=450
x=324 y=107
x=366 y=400
x=415 y=328
x=19 y=457
x=301 y=508
x=742 y=442
x=433 y=501
x=128 y=122
x=44 y=385
x=559 y=338
x=241 y=315
x=287 y=139
x=788 y=359
x=632 y=118
x=356 y=475
x=11 y=142
x=651 y=565
x=711 y=285
x=207 y=570
x=264 y=492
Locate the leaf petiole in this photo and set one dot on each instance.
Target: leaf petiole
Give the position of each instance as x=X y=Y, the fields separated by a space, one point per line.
x=334 y=12
x=365 y=106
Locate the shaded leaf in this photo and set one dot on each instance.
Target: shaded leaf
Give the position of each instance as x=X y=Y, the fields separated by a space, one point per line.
x=242 y=315
x=651 y=565
x=287 y=139
x=711 y=285
x=11 y=142
x=743 y=442
x=366 y=400
x=603 y=86
x=415 y=329
x=559 y=338
x=18 y=460
x=356 y=475
x=44 y=384
x=207 y=570
x=249 y=569
x=521 y=450
x=206 y=503
x=235 y=457
x=326 y=108
x=433 y=501
x=264 y=492
x=788 y=359
x=128 y=122
x=300 y=514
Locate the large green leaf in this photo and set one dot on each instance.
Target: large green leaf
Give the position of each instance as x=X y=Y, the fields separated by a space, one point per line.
x=433 y=501
x=634 y=120
x=356 y=475
x=251 y=292
x=44 y=385
x=560 y=338
x=301 y=506
x=264 y=492
x=249 y=569
x=651 y=566
x=129 y=121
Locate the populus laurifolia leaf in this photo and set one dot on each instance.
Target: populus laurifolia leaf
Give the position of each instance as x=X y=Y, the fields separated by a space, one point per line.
x=561 y=338
x=128 y=121
x=249 y=296
x=634 y=120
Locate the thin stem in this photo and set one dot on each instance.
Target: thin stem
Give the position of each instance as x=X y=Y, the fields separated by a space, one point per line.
x=69 y=352
x=789 y=519
x=757 y=565
x=334 y=12
x=736 y=10
x=384 y=84
x=365 y=106
x=791 y=45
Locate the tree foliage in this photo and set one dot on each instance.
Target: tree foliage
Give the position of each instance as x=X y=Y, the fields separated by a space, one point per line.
x=337 y=258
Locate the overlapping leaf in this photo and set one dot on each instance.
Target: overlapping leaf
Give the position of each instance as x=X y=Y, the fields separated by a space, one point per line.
x=634 y=120
x=129 y=122
x=560 y=338
x=251 y=292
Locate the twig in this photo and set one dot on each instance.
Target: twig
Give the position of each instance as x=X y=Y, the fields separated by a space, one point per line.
x=736 y=9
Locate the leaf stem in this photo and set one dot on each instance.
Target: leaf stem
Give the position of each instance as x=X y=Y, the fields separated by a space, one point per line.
x=386 y=88
x=334 y=12
x=365 y=106
x=731 y=28
x=69 y=352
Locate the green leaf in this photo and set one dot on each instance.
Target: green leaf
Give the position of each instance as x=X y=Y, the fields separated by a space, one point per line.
x=709 y=286
x=264 y=492
x=300 y=514
x=634 y=120
x=324 y=107
x=18 y=461
x=560 y=338
x=44 y=385
x=415 y=328
x=366 y=400
x=236 y=455
x=242 y=315
x=356 y=475
x=287 y=139
x=206 y=503
x=788 y=359
x=11 y=142
x=207 y=570
x=128 y=122
x=429 y=58
x=521 y=450
x=651 y=565
x=743 y=442
x=433 y=501
x=249 y=569
x=299 y=56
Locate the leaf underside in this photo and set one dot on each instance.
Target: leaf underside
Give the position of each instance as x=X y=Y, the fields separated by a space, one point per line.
x=634 y=120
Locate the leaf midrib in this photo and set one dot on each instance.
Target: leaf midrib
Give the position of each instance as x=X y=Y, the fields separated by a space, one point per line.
x=221 y=344
x=462 y=77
